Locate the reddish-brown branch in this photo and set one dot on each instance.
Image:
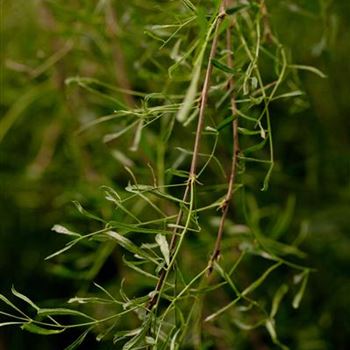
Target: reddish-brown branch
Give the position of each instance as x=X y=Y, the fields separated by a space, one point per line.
x=193 y=168
x=235 y=150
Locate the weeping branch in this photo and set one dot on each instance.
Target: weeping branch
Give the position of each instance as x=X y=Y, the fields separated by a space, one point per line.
x=235 y=151
x=193 y=169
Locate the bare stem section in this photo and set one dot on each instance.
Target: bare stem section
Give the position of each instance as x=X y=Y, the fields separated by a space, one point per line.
x=235 y=151
x=193 y=169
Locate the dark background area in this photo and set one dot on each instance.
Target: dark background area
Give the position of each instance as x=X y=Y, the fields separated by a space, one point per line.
x=44 y=164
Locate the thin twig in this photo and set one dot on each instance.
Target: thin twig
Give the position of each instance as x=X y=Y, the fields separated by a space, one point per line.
x=193 y=168
x=235 y=151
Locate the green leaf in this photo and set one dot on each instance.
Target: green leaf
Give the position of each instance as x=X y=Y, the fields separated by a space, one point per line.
x=86 y=213
x=63 y=230
x=90 y=300
x=281 y=291
x=94 y=86
x=62 y=311
x=260 y=280
x=139 y=270
x=179 y=173
x=227 y=278
x=191 y=93
x=246 y=326
x=119 y=336
x=280 y=249
x=310 y=69
x=133 y=342
x=67 y=247
x=284 y=218
x=164 y=247
x=226 y=122
x=248 y=132
x=189 y=5
x=150 y=340
x=78 y=341
x=33 y=328
x=270 y=326
x=110 y=137
x=217 y=64
x=103 y=334
x=24 y=298
x=138 y=188
x=146 y=188
x=4 y=324
x=299 y=295
x=253 y=83
x=256 y=147
x=131 y=247
x=173 y=342
x=126 y=228
x=289 y=95
x=9 y=303
x=234 y=9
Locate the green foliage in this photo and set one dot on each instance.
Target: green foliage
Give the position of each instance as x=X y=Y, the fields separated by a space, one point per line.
x=126 y=85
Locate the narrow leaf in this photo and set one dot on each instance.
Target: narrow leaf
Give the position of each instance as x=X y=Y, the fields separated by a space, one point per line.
x=277 y=299
x=86 y=213
x=63 y=230
x=133 y=342
x=164 y=247
x=260 y=280
x=62 y=311
x=128 y=245
x=9 y=303
x=139 y=270
x=248 y=132
x=33 y=328
x=299 y=295
x=189 y=5
x=235 y=9
x=69 y=246
x=217 y=64
x=9 y=323
x=24 y=298
x=190 y=95
x=78 y=341
x=310 y=69
x=270 y=326
x=256 y=147
x=226 y=122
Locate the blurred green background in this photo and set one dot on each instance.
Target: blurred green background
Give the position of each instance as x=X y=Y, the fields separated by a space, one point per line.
x=45 y=163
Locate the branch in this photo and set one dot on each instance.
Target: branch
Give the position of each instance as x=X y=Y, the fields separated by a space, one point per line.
x=235 y=151
x=193 y=169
